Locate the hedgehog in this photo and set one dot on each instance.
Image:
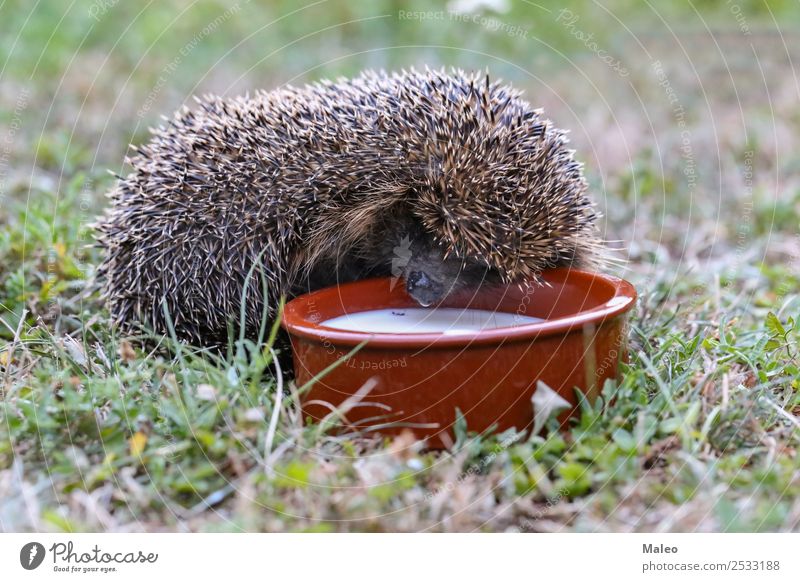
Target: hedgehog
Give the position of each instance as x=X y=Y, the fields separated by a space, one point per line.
x=441 y=178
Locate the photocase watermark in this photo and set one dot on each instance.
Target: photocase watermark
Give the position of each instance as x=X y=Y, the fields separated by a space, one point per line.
x=87 y=217
x=100 y=8
x=527 y=297
x=569 y=20
x=736 y=10
x=361 y=363
x=385 y=364
x=65 y=558
x=788 y=285
x=401 y=256
x=56 y=253
x=172 y=66
x=476 y=467
x=31 y=555
x=171 y=451
x=490 y=23
x=745 y=219
x=14 y=125
x=527 y=523
x=679 y=113
x=612 y=358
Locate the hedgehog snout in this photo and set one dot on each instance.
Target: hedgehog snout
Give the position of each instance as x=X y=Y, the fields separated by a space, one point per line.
x=423 y=289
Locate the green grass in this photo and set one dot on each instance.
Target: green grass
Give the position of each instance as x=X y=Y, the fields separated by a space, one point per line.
x=178 y=439
x=700 y=433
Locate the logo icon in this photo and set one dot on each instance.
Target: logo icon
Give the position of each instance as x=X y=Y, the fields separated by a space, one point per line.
x=401 y=258
x=31 y=555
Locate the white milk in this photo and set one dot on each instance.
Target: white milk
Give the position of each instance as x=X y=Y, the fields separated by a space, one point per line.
x=446 y=320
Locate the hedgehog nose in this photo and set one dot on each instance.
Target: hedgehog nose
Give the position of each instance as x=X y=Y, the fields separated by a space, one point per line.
x=422 y=288
x=417 y=279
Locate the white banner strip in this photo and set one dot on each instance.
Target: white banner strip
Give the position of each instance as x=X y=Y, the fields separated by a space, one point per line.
x=401 y=557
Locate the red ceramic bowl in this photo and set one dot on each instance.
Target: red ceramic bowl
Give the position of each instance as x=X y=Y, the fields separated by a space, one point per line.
x=398 y=381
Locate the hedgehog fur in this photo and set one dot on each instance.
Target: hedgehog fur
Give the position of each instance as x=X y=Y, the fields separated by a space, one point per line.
x=298 y=188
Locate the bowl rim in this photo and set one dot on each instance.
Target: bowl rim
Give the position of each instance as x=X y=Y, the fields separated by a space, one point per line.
x=623 y=300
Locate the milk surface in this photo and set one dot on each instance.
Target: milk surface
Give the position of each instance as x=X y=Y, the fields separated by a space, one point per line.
x=445 y=320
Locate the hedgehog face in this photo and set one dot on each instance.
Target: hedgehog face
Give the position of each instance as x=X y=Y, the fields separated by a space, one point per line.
x=430 y=276
x=429 y=280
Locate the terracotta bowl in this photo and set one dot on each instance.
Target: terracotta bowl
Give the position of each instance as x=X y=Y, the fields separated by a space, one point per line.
x=399 y=381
